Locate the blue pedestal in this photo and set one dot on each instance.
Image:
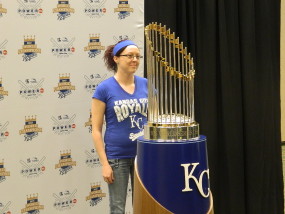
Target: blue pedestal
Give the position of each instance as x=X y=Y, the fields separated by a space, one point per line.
x=176 y=174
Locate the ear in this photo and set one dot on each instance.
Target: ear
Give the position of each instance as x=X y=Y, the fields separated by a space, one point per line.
x=116 y=59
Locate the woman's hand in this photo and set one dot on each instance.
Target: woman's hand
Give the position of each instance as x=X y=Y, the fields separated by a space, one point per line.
x=107 y=174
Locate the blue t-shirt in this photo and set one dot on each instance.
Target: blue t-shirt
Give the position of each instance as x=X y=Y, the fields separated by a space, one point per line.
x=125 y=116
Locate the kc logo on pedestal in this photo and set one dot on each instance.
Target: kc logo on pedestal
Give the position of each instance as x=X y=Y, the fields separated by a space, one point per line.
x=199 y=182
x=30 y=9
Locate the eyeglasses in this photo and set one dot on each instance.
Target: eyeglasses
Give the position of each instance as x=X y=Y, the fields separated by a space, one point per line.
x=132 y=56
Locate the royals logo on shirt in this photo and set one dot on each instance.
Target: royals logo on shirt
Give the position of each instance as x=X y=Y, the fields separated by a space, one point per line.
x=63 y=124
x=4 y=133
x=94 y=46
x=96 y=195
x=3 y=172
x=30 y=9
x=3 y=93
x=64 y=200
x=124 y=110
x=124 y=9
x=64 y=87
x=33 y=205
x=94 y=8
x=2 y=10
x=29 y=49
x=31 y=88
x=66 y=163
x=31 y=128
x=3 y=50
x=5 y=208
x=92 y=159
x=63 y=10
x=33 y=167
x=62 y=46
x=92 y=81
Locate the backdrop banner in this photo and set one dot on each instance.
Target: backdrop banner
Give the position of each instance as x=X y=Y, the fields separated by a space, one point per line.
x=50 y=64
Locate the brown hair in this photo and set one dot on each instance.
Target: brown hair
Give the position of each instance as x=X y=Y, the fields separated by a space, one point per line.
x=108 y=57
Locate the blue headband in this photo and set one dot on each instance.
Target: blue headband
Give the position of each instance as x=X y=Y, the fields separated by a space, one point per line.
x=121 y=45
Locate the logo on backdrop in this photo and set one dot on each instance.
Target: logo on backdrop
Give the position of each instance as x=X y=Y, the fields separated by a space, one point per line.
x=89 y=123
x=124 y=9
x=123 y=37
x=92 y=159
x=2 y=10
x=3 y=172
x=94 y=8
x=4 y=208
x=3 y=50
x=96 y=195
x=2 y=90
x=92 y=81
x=62 y=46
x=63 y=10
x=31 y=88
x=33 y=167
x=63 y=124
x=64 y=200
x=64 y=87
x=65 y=163
x=29 y=49
x=31 y=128
x=4 y=133
x=94 y=46
x=33 y=205
x=30 y=9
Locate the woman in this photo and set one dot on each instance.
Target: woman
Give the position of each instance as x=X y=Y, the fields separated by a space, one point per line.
x=122 y=99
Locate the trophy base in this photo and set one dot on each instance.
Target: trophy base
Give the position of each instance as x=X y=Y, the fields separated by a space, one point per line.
x=170 y=133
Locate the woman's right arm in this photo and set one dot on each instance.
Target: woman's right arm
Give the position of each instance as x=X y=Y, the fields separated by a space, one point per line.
x=98 y=110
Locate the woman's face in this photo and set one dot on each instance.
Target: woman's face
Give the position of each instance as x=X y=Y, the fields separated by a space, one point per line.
x=129 y=60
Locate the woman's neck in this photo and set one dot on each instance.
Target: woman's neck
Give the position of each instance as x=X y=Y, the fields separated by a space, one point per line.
x=125 y=79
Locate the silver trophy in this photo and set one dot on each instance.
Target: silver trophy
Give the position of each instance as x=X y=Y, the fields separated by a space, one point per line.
x=170 y=73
